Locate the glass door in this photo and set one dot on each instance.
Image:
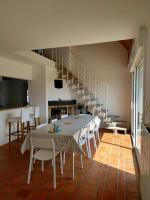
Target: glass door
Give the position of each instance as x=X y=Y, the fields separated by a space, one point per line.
x=133 y=103
x=138 y=104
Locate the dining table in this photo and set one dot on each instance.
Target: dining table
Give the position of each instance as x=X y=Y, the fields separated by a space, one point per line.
x=67 y=139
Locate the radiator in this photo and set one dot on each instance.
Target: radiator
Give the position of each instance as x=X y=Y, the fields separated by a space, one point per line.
x=145 y=164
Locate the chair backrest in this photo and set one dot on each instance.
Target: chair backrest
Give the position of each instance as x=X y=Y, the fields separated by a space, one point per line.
x=53 y=120
x=97 y=121
x=91 y=126
x=83 y=132
x=41 y=125
x=64 y=116
x=37 y=111
x=25 y=115
x=41 y=142
x=82 y=135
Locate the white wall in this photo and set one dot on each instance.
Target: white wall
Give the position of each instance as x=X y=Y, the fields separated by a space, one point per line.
x=15 y=69
x=108 y=62
x=145 y=137
x=41 y=88
x=38 y=90
x=64 y=93
x=147 y=79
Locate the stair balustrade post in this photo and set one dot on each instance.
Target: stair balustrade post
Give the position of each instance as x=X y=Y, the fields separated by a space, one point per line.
x=106 y=101
x=52 y=56
x=100 y=96
x=61 y=61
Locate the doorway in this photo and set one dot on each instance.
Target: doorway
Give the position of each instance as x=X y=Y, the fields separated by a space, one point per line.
x=138 y=88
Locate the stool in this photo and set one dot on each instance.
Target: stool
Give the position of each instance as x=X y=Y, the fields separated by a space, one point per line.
x=24 y=118
x=36 y=116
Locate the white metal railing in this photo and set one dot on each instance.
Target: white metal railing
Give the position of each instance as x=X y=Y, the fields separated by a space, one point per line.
x=80 y=78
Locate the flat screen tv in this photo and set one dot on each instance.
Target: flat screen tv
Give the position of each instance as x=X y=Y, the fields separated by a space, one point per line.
x=13 y=92
x=58 y=83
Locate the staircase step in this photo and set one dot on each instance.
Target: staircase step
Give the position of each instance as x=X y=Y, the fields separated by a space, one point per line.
x=98 y=104
x=104 y=110
x=98 y=108
x=115 y=129
x=59 y=67
x=60 y=70
x=80 y=91
x=116 y=124
x=62 y=76
x=113 y=116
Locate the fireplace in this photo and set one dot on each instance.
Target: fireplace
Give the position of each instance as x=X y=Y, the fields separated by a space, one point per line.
x=55 y=113
x=61 y=107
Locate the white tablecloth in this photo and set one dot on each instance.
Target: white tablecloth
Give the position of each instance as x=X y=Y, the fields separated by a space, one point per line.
x=67 y=139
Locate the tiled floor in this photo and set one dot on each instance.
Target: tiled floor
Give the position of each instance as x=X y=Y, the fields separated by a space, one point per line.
x=112 y=174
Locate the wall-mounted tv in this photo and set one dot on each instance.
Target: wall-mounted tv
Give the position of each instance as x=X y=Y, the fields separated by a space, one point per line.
x=58 y=83
x=13 y=92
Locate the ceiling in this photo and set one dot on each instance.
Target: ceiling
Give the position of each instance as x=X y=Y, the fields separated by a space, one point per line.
x=35 y=24
x=127 y=44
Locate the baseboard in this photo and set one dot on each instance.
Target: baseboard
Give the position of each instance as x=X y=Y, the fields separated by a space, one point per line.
x=6 y=140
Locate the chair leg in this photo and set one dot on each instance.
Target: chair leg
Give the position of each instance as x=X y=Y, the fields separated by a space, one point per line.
x=34 y=158
x=18 y=132
x=22 y=130
x=32 y=165
x=81 y=161
x=73 y=171
x=9 y=133
x=54 y=173
x=28 y=126
x=64 y=157
x=52 y=162
x=42 y=166
x=89 y=147
x=98 y=136
x=39 y=121
x=61 y=163
x=35 y=122
x=94 y=141
x=30 y=168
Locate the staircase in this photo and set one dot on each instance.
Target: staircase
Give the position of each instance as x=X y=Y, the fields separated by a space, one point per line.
x=89 y=92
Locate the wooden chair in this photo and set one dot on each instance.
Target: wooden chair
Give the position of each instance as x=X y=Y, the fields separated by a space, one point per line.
x=36 y=116
x=21 y=120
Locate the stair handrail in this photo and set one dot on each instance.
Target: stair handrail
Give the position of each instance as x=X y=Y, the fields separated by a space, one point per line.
x=66 y=59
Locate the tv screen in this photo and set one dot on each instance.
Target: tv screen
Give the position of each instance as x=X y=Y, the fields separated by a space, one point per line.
x=58 y=83
x=13 y=92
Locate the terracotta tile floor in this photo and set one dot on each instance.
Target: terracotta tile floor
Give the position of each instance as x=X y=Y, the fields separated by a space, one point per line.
x=112 y=174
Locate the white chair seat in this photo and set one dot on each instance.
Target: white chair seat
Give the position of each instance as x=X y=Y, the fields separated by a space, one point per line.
x=64 y=116
x=40 y=126
x=15 y=119
x=43 y=154
x=53 y=120
x=22 y=119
